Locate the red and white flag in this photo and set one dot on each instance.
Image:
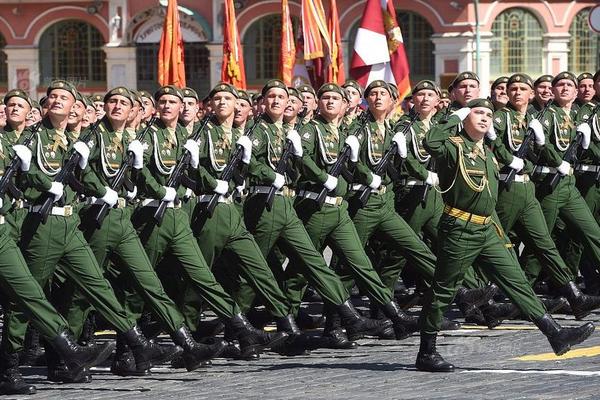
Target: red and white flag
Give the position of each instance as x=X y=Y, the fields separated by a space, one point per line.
x=379 y=48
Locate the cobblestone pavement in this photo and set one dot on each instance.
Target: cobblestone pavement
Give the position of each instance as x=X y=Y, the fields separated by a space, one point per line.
x=512 y=362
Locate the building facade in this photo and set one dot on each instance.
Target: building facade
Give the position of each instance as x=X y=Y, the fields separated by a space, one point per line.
x=100 y=44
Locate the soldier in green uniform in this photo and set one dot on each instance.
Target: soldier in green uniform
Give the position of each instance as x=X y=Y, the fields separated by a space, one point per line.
x=560 y=129
x=280 y=225
x=309 y=97
x=243 y=110
x=165 y=145
x=542 y=93
x=498 y=96
x=117 y=241
x=355 y=92
x=44 y=248
x=97 y=99
x=469 y=233
x=585 y=90
x=517 y=205
x=149 y=105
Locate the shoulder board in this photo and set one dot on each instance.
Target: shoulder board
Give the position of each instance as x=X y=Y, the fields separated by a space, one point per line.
x=456 y=139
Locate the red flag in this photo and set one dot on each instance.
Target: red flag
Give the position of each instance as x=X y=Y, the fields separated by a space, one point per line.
x=288 y=47
x=171 y=69
x=335 y=68
x=379 y=48
x=232 y=68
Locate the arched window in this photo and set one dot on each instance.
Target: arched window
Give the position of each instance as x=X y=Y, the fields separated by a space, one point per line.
x=584 y=55
x=72 y=50
x=261 y=44
x=416 y=32
x=195 y=57
x=517 y=43
x=3 y=65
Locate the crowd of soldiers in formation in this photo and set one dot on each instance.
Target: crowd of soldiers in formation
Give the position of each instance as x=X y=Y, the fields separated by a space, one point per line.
x=137 y=212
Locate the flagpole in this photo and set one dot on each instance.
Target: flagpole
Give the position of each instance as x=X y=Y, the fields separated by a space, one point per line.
x=477 y=36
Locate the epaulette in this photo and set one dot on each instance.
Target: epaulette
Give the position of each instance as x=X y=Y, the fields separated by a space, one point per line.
x=456 y=139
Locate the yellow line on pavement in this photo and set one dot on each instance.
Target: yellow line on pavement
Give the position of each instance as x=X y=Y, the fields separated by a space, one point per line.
x=577 y=353
x=501 y=327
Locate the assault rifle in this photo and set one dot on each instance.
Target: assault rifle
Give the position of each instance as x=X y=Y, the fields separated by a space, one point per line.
x=6 y=183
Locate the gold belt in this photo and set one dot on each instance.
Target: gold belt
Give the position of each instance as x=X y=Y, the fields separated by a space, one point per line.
x=467 y=216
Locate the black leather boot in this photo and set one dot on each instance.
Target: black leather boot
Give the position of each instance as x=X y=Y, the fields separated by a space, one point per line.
x=78 y=357
x=581 y=304
x=88 y=331
x=123 y=363
x=58 y=371
x=11 y=380
x=404 y=325
x=33 y=353
x=295 y=344
x=358 y=326
x=449 y=325
x=306 y=321
x=495 y=313
x=251 y=339
x=147 y=353
x=428 y=358
x=334 y=335
x=466 y=299
x=194 y=353
x=561 y=339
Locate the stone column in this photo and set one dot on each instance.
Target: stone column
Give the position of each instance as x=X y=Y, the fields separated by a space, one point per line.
x=556 y=53
x=23 y=69
x=121 y=67
x=215 y=58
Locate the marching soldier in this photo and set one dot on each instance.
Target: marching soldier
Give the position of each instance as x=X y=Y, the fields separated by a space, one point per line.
x=499 y=97
x=355 y=94
x=243 y=110
x=585 y=90
x=165 y=145
x=517 y=206
x=149 y=106
x=468 y=233
x=542 y=93
x=309 y=97
x=280 y=224
x=97 y=100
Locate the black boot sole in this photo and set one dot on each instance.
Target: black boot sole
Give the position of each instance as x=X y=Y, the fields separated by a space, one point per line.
x=563 y=348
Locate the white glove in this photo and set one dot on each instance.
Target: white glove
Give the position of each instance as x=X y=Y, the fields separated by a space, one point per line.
x=57 y=189
x=241 y=187
x=279 y=181
x=330 y=183
x=352 y=142
x=400 y=140
x=538 y=131
x=432 y=179
x=84 y=152
x=491 y=134
x=24 y=155
x=170 y=194
x=137 y=149
x=462 y=113
x=517 y=164
x=564 y=168
x=110 y=197
x=246 y=144
x=586 y=131
x=294 y=137
x=131 y=195
x=375 y=182
x=1 y=202
x=222 y=187
x=194 y=149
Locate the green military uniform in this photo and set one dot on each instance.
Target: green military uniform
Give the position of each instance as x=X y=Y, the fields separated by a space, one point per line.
x=467 y=232
x=164 y=146
x=45 y=245
x=225 y=229
x=565 y=201
x=116 y=239
x=281 y=225
x=517 y=206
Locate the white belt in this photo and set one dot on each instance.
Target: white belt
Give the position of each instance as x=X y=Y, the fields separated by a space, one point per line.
x=334 y=201
x=381 y=190
x=19 y=204
x=2 y=220
x=65 y=211
x=156 y=203
x=205 y=198
x=588 y=168
x=412 y=182
x=121 y=202
x=518 y=178
x=549 y=170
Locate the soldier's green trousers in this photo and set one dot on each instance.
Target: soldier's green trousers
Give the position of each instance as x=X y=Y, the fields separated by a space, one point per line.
x=117 y=240
x=379 y=216
x=174 y=236
x=18 y=286
x=460 y=244
x=333 y=226
x=225 y=231
x=423 y=219
x=566 y=201
x=281 y=225
x=519 y=206
x=59 y=240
